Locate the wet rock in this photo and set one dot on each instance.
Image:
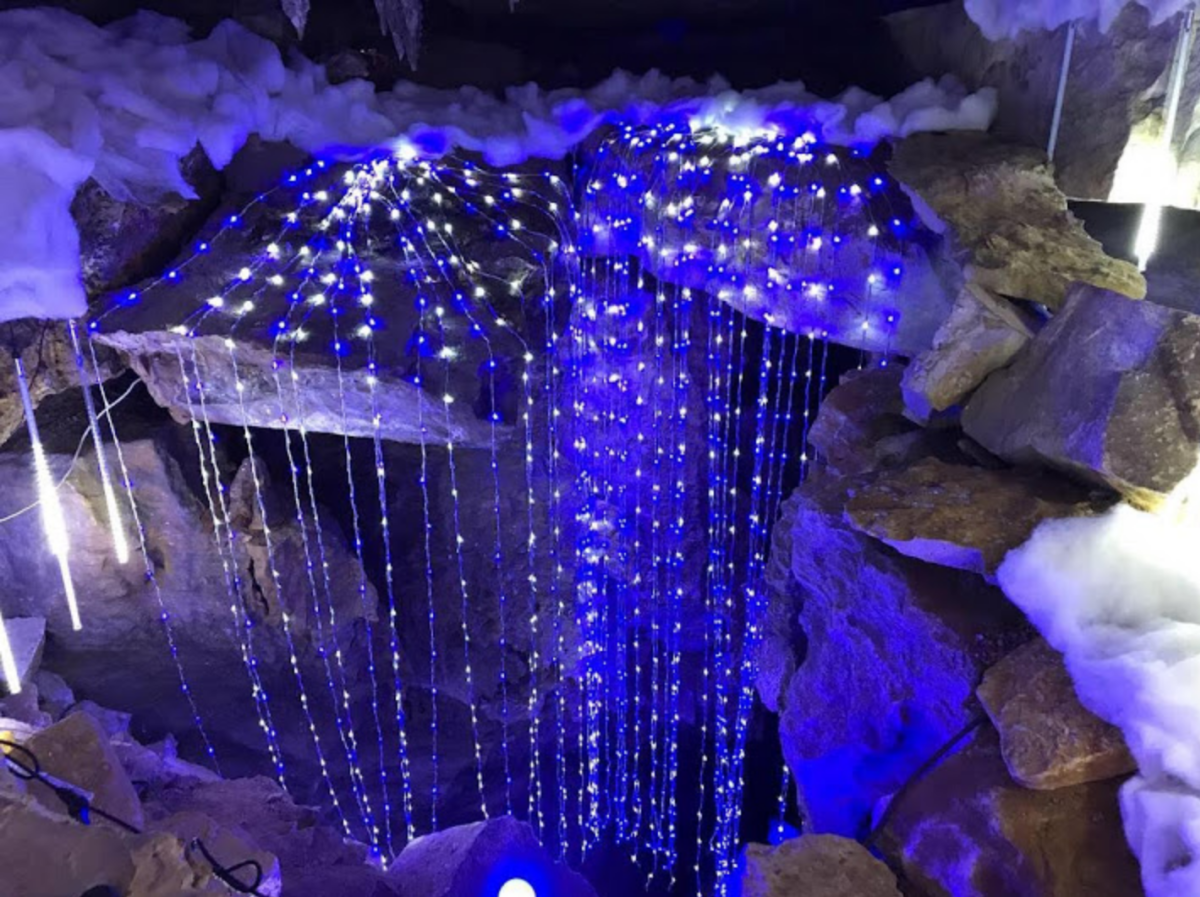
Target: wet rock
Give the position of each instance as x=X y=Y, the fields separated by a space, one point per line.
x=1107 y=391
x=473 y=859
x=982 y=335
x=1004 y=220
x=1047 y=737
x=27 y=638
x=967 y=828
x=895 y=648
x=77 y=751
x=1114 y=99
x=960 y=516
x=816 y=866
x=861 y=424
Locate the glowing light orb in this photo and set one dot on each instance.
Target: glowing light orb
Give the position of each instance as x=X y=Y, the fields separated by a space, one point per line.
x=517 y=887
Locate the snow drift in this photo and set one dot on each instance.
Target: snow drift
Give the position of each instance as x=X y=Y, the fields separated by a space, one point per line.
x=1119 y=596
x=124 y=103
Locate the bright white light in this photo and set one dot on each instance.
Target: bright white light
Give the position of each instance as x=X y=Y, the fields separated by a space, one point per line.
x=517 y=887
x=8 y=663
x=52 y=516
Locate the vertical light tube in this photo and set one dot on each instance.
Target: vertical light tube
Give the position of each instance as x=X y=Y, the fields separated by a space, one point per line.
x=116 y=527
x=8 y=663
x=1151 y=224
x=52 y=515
x=1056 y=121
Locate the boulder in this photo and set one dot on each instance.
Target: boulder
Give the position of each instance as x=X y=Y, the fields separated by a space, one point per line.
x=1005 y=222
x=26 y=707
x=981 y=335
x=77 y=751
x=114 y=723
x=815 y=866
x=54 y=695
x=228 y=846
x=1047 y=737
x=1114 y=100
x=47 y=854
x=960 y=516
x=27 y=639
x=967 y=828
x=478 y=858
x=895 y=649
x=861 y=424
x=1108 y=391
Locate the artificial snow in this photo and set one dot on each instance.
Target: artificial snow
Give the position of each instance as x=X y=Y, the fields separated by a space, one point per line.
x=124 y=103
x=1007 y=18
x=1119 y=596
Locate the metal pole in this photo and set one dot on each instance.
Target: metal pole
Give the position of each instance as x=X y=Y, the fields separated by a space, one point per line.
x=1062 y=90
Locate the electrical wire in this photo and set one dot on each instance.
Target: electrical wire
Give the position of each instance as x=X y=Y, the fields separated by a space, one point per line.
x=80 y=808
x=78 y=452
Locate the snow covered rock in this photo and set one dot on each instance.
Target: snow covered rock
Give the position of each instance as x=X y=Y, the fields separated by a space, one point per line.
x=895 y=648
x=1004 y=220
x=967 y=828
x=1113 y=108
x=961 y=516
x=77 y=750
x=1109 y=391
x=815 y=866
x=982 y=334
x=474 y=859
x=1048 y=739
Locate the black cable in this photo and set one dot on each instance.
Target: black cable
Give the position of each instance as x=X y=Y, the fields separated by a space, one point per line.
x=80 y=808
x=919 y=773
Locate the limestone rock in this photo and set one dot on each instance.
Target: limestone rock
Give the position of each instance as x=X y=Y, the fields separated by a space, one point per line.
x=895 y=648
x=154 y=765
x=815 y=866
x=960 y=516
x=1047 y=737
x=861 y=424
x=982 y=334
x=967 y=828
x=76 y=750
x=114 y=723
x=1005 y=221
x=27 y=638
x=1108 y=391
x=474 y=859
x=25 y=707
x=1115 y=90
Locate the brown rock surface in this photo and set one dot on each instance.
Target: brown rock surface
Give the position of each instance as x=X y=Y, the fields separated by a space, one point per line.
x=1048 y=739
x=1006 y=222
x=982 y=334
x=815 y=866
x=959 y=516
x=1109 y=390
x=967 y=828
x=76 y=750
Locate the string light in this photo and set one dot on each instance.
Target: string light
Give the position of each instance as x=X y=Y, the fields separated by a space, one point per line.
x=116 y=528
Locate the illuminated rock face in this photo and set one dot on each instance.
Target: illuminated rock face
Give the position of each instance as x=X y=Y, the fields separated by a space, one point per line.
x=1005 y=222
x=1106 y=392
x=817 y=866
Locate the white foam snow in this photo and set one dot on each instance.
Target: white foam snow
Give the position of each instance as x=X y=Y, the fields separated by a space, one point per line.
x=1007 y=18
x=124 y=103
x=1119 y=595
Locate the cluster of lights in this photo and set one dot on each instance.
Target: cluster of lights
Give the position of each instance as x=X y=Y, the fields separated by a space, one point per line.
x=678 y=225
